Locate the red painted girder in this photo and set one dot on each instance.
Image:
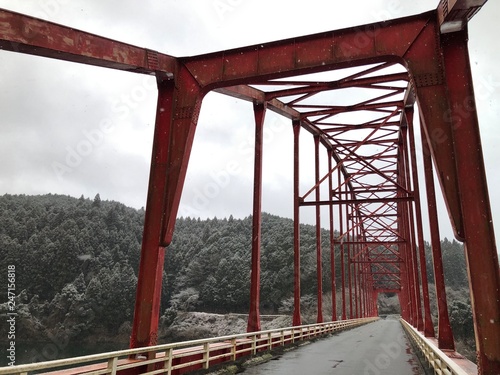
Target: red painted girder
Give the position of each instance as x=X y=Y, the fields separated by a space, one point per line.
x=251 y=94
x=445 y=334
x=254 y=312
x=148 y=295
x=334 y=110
x=428 y=324
x=389 y=159
x=378 y=258
x=333 y=284
x=342 y=128
x=374 y=216
x=311 y=88
x=186 y=108
x=342 y=247
x=377 y=171
x=374 y=190
x=296 y=223
x=319 y=278
x=377 y=42
x=370 y=166
x=359 y=201
x=25 y=34
x=426 y=65
x=389 y=229
x=367 y=142
x=480 y=244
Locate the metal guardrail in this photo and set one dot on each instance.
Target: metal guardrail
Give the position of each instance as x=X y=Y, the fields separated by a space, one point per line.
x=436 y=358
x=183 y=357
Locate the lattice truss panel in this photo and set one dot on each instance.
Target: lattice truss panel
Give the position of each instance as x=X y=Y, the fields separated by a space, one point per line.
x=358 y=115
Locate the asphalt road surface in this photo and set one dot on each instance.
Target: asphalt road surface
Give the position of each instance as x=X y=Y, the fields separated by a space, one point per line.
x=379 y=348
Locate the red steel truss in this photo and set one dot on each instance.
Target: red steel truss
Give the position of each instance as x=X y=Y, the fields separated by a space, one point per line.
x=355 y=91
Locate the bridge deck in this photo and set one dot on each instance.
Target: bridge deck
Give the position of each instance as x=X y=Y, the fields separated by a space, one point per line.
x=373 y=349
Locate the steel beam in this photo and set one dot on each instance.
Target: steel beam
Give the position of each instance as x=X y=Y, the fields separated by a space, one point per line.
x=480 y=245
x=445 y=334
x=29 y=35
x=254 y=314
x=148 y=296
x=428 y=325
x=356 y=201
x=296 y=224
x=332 y=237
x=342 y=252
x=319 y=273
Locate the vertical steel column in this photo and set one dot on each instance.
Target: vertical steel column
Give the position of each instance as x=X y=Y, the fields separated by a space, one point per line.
x=405 y=279
x=254 y=314
x=355 y=271
x=405 y=248
x=332 y=236
x=428 y=325
x=362 y=291
x=297 y=321
x=178 y=106
x=480 y=245
x=349 y=256
x=411 y=226
x=319 y=272
x=445 y=334
x=342 y=255
x=412 y=248
x=365 y=287
x=404 y=293
x=149 y=280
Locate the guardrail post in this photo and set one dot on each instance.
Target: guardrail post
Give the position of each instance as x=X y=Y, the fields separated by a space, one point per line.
x=233 y=349
x=112 y=363
x=168 y=362
x=206 y=355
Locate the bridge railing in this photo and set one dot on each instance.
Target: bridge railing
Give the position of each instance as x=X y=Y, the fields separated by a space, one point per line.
x=443 y=363
x=184 y=357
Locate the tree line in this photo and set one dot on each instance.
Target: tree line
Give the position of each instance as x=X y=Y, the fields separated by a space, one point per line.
x=77 y=262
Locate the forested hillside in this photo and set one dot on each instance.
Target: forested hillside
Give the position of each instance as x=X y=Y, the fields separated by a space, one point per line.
x=76 y=266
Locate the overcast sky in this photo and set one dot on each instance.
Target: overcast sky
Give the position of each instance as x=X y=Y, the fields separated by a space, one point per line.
x=75 y=129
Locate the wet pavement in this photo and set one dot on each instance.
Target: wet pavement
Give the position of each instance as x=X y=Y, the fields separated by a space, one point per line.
x=379 y=348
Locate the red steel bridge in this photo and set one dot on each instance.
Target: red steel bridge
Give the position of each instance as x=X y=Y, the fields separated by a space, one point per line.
x=364 y=121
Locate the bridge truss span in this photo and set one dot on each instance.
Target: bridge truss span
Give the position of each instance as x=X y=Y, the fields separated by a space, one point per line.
x=370 y=97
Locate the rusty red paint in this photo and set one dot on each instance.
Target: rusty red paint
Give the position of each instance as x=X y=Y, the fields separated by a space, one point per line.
x=254 y=313
x=297 y=320
x=377 y=216
x=480 y=244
